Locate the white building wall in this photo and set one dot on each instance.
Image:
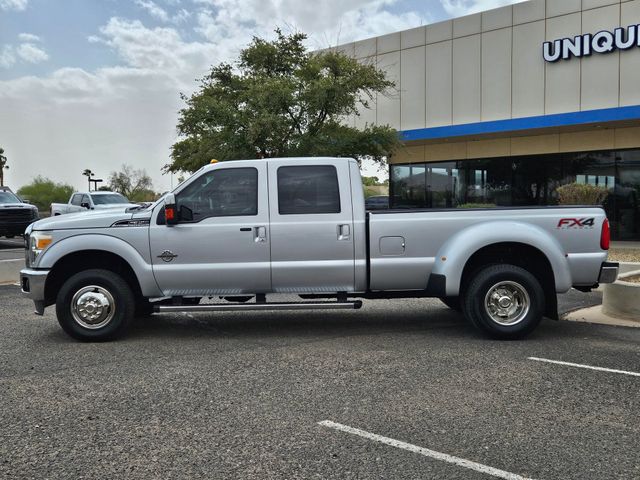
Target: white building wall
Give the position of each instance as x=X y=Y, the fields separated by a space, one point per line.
x=439 y=75
x=629 y=60
x=489 y=66
x=413 y=93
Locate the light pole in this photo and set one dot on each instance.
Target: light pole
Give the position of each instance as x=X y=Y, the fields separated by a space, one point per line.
x=88 y=173
x=3 y=166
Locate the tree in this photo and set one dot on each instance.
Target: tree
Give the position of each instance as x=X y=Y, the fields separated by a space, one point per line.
x=281 y=100
x=3 y=166
x=42 y=192
x=136 y=185
x=373 y=186
x=372 y=182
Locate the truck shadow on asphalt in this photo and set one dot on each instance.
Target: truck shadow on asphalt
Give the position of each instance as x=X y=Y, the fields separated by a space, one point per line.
x=438 y=323
x=320 y=323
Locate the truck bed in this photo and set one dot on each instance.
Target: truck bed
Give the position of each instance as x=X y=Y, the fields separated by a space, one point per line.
x=407 y=246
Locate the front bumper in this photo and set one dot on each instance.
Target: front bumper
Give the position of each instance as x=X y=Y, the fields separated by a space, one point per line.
x=608 y=272
x=32 y=283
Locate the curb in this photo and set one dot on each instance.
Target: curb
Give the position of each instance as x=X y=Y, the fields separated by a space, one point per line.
x=595 y=315
x=10 y=271
x=626 y=267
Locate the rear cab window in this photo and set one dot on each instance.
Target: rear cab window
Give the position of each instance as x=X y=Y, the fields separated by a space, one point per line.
x=309 y=189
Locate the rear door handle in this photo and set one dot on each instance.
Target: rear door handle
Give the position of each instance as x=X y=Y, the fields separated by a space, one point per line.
x=344 y=232
x=260 y=234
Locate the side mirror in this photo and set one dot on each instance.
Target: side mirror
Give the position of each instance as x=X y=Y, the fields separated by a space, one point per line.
x=170 y=209
x=85 y=205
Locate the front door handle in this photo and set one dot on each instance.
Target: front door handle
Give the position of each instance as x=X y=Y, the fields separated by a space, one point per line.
x=344 y=232
x=260 y=234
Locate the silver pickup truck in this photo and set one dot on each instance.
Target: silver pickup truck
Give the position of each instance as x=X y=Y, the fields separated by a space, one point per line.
x=244 y=229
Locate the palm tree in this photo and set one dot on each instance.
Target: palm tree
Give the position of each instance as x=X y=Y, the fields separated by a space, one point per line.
x=88 y=173
x=3 y=165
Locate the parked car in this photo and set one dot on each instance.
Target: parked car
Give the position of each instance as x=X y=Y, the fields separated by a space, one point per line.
x=15 y=214
x=377 y=202
x=100 y=200
x=298 y=225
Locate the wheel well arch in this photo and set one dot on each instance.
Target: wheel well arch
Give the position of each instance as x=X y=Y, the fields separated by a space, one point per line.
x=521 y=255
x=75 y=262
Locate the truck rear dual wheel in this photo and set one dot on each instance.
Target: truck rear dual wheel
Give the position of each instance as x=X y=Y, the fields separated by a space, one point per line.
x=95 y=305
x=504 y=301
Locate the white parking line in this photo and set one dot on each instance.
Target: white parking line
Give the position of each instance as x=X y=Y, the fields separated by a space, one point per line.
x=579 y=365
x=461 y=462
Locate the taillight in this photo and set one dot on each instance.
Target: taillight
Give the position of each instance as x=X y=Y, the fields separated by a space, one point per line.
x=605 y=235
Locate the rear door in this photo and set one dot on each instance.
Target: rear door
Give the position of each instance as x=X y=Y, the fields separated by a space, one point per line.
x=312 y=247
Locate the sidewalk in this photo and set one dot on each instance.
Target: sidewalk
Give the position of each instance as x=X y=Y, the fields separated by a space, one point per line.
x=595 y=315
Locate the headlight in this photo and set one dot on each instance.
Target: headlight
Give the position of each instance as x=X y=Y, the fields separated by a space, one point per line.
x=38 y=242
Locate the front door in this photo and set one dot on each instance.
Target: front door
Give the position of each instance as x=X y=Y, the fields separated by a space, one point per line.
x=221 y=243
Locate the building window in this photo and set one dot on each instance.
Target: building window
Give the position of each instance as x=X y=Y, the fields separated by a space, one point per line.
x=409 y=188
x=524 y=181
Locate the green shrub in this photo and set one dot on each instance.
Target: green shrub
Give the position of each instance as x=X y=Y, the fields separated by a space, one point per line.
x=42 y=192
x=581 y=194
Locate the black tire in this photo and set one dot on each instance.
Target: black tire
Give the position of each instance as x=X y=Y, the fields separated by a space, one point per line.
x=452 y=302
x=106 y=281
x=524 y=289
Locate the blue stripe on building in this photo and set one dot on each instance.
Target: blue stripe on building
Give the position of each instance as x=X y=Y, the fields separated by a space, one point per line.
x=525 y=123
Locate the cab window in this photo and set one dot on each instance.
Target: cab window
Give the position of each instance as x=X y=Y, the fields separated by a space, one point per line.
x=76 y=199
x=308 y=189
x=220 y=193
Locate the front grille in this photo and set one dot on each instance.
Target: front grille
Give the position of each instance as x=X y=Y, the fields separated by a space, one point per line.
x=15 y=215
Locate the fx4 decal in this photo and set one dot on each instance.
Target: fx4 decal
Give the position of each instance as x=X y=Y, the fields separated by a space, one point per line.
x=576 y=222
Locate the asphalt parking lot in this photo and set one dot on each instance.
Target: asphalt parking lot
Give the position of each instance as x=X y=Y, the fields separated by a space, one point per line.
x=241 y=395
x=11 y=248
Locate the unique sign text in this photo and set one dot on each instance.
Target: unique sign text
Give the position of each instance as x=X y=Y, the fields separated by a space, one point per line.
x=588 y=44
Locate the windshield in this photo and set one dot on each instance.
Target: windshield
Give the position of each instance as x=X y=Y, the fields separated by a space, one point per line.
x=8 y=197
x=110 y=199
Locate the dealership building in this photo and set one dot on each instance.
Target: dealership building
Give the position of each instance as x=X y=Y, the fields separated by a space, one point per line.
x=503 y=107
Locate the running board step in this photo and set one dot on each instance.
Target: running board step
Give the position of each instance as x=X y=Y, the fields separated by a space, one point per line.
x=259 y=306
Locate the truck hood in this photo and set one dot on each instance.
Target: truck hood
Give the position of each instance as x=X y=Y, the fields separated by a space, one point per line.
x=88 y=219
x=16 y=205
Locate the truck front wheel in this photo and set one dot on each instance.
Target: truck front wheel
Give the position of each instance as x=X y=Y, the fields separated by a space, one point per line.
x=95 y=305
x=504 y=301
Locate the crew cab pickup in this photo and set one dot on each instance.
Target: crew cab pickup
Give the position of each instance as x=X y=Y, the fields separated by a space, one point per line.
x=246 y=229
x=82 y=201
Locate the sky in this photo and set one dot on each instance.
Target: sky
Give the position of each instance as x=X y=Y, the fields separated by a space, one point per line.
x=96 y=83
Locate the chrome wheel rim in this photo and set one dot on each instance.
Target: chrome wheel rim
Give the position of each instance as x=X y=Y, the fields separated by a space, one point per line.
x=93 y=307
x=507 y=303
